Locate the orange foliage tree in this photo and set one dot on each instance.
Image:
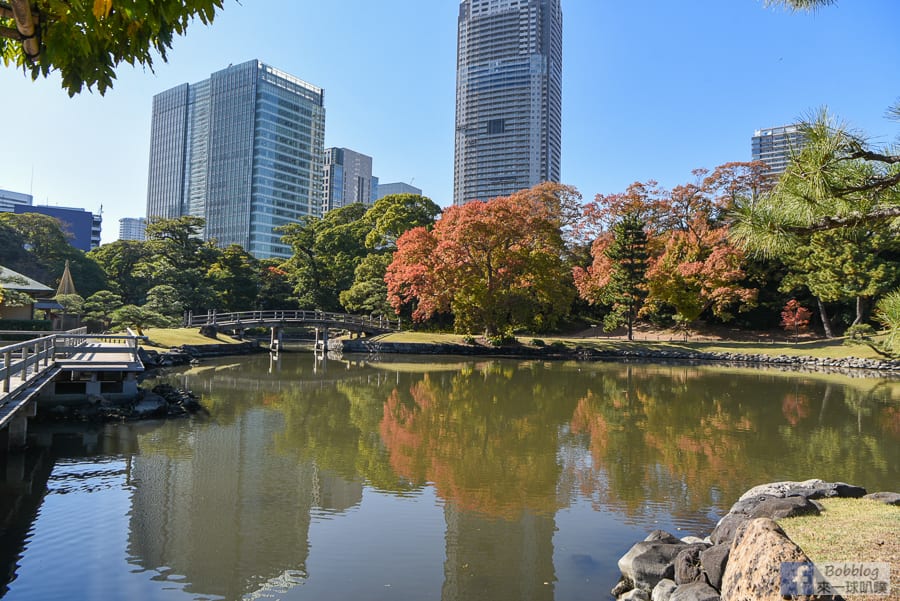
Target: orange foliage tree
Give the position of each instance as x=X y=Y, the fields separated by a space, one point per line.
x=494 y=265
x=692 y=267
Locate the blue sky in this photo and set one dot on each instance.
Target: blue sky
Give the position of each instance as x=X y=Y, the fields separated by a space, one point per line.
x=651 y=90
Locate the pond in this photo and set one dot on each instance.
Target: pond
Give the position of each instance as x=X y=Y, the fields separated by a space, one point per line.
x=402 y=479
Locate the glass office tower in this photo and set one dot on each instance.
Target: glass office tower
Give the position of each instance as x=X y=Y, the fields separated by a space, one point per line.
x=243 y=149
x=508 y=97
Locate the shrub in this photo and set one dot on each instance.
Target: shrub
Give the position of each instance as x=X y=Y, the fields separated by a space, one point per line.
x=501 y=339
x=558 y=345
x=538 y=342
x=469 y=339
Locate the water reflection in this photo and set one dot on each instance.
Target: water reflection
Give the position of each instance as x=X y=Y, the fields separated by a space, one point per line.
x=226 y=507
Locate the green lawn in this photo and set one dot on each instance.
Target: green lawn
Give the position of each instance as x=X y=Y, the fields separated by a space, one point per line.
x=165 y=338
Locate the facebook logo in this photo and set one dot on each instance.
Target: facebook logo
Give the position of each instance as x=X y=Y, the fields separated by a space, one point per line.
x=798 y=578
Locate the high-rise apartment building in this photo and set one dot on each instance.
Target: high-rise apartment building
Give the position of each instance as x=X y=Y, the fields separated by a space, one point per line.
x=508 y=97
x=242 y=149
x=132 y=228
x=396 y=188
x=347 y=178
x=775 y=146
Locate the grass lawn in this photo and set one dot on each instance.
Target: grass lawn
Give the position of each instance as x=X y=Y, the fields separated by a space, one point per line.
x=166 y=338
x=851 y=530
x=834 y=349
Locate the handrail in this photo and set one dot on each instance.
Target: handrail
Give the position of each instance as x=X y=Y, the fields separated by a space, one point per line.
x=28 y=359
x=293 y=315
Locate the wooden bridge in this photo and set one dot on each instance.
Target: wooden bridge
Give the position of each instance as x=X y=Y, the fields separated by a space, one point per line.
x=27 y=368
x=277 y=320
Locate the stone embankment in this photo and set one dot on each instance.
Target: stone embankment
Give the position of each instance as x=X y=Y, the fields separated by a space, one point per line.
x=182 y=355
x=363 y=345
x=741 y=559
x=162 y=401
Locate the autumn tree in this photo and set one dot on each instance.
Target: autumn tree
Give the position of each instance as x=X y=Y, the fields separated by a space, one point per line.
x=795 y=317
x=494 y=265
x=86 y=41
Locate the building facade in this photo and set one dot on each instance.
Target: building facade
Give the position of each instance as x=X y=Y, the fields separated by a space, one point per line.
x=82 y=226
x=347 y=178
x=133 y=228
x=508 y=97
x=775 y=146
x=396 y=188
x=244 y=150
x=9 y=200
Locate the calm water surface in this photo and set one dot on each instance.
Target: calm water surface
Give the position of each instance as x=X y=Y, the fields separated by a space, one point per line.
x=454 y=480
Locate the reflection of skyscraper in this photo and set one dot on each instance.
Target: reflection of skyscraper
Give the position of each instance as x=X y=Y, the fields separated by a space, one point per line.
x=508 y=97
x=230 y=516
x=484 y=554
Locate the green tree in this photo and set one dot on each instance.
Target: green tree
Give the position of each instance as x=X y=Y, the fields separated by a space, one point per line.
x=368 y=294
x=119 y=261
x=165 y=300
x=235 y=278
x=39 y=248
x=180 y=258
x=132 y=316
x=393 y=215
x=99 y=307
x=326 y=252
x=86 y=41
x=627 y=288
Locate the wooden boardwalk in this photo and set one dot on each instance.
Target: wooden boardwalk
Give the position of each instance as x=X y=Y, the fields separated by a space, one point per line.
x=27 y=367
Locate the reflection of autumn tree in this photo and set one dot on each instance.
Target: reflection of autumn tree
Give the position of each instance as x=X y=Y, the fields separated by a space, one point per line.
x=795 y=407
x=487 y=438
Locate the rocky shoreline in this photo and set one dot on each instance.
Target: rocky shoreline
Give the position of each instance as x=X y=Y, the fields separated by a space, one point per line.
x=742 y=556
x=362 y=345
x=161 y=402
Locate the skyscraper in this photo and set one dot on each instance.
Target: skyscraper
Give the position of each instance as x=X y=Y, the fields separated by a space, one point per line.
x=396 y=188
x=348 y=178
x=775 y=146
x=132 y=228
x=242 y=149
x=508 y=97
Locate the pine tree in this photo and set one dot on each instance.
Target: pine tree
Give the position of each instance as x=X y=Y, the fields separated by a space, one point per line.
x=626 y=290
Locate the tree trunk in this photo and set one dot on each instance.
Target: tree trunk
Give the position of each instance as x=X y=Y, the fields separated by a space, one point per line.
x=862 y=310
x=826 y=322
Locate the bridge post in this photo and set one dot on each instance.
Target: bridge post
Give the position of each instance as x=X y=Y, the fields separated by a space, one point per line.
x=275 y=338
x=17 y=430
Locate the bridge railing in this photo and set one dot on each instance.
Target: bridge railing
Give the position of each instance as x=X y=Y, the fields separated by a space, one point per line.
x=26 y=360
x=251 y=318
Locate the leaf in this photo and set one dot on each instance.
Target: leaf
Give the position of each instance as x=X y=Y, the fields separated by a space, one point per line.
x=102 y=8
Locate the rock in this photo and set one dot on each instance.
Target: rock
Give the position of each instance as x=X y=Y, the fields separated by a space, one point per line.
x=635 y=595
x=663 y=590
x=648 y=562
x=622 y=586
x=152 y=405
x=785 y=508
x=727 y=526
x=695 y=591
x=209 y=331
x=662 y=536
x=889 y=498
x=754 y=563
x=687 y=565
x=713 y=561
x=692 y=540
x=811 y=489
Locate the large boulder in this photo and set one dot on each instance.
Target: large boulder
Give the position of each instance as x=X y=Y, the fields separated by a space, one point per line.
x=687 y=565
x=811 y=489
x=787 y=507
x=695 y=591
x=888 y=498
x=753 y=571
x=649 y=561
x=724 y=531
x=713 y=561
x=663 y=590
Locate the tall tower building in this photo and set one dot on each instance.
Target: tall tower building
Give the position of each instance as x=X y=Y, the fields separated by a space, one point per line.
x=508 y=97
x=244 y=150
x=775 y=146
x=133 y=228
x=347 y=178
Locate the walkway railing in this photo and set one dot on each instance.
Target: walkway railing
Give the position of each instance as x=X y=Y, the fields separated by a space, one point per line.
x=23 y=362
x=252 y=318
